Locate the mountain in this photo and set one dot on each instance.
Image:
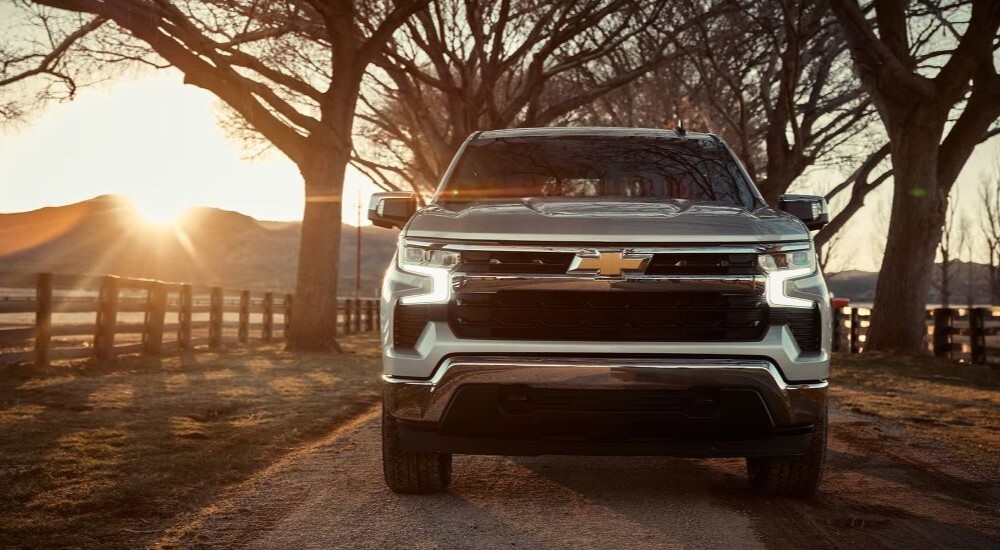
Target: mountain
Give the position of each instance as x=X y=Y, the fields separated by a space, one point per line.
x=208 y=246
x=969 y=282
x=857 y=285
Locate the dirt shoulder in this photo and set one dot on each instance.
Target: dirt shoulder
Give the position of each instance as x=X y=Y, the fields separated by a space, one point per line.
x=93 y=455
x=953 y=406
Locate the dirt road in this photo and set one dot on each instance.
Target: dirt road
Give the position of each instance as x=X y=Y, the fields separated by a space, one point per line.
x=884 y=488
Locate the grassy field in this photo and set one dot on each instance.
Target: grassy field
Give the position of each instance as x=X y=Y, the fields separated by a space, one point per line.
x=105 y=456
x=954 y=404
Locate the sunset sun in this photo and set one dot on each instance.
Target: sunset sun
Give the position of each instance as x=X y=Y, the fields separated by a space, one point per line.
x=155 y=210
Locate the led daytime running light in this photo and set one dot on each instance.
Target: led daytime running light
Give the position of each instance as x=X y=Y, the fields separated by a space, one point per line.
x=782 y=267
x=435 y=265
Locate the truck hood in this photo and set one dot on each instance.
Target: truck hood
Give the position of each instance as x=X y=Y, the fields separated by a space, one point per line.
x=604 y=220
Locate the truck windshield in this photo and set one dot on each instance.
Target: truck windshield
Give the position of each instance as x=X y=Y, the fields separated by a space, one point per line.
x=699 y=170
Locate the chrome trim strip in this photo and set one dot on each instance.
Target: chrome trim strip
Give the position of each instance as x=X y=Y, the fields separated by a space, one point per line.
x=696 y=249
x=666 y=364
x=472 y=282
x=590 y=276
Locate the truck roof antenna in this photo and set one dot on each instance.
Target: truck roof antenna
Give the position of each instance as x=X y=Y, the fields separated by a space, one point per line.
x=680 y=127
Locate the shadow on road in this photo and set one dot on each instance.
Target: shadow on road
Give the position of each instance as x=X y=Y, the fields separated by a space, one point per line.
x=871 y=497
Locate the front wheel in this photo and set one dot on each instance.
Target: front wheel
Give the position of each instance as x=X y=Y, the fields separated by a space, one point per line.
x=409 y=472
x=791 y=476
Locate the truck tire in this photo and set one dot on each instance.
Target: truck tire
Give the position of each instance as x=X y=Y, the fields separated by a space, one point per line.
x=408 y=472
x=791 y=476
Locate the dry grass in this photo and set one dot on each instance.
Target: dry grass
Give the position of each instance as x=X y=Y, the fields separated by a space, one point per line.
x=956 y=404
x=105 y=456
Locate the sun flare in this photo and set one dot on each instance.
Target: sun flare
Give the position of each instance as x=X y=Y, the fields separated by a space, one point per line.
x=158 y=212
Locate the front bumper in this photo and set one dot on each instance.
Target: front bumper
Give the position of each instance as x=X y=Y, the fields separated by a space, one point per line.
x=681 y=407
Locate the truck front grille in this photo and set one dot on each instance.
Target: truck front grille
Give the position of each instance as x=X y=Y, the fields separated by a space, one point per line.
x=623 y=316
x=703 y=264
x=543 y=262
x=500 y=261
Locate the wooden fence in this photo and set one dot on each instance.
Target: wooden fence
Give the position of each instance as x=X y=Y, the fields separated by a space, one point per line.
x=45 y=316
x=970 y=335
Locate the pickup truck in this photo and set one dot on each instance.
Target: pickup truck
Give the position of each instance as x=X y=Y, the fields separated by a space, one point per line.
x=603 y=291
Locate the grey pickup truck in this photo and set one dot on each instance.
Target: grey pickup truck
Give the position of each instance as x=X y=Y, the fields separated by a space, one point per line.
x=603 y=291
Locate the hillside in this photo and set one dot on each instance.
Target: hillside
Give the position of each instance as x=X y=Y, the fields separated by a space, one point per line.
x=209 y=246
x=859 y=286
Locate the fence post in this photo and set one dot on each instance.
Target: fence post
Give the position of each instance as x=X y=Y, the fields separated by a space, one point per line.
x=358 y=312
x=348 y=321
x=288 y=314
x=43 y=318
x=268 y=328
x=854 y=340
x=156 y=312
x=107 y=317
x=837 y=329
x=184 y=318
x=977 y=335
x=942 y=331
x=244 y=330
x=378 y=314
x=215 y=318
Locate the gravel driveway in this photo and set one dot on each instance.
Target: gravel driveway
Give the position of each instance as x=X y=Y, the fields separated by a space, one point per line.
x=884 y=488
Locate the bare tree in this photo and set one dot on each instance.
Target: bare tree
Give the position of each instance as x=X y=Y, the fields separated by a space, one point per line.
x=989 y=224
x=771 y=78
x=830 y=251
x=290 y=71
x=880 y=228
x=964 y=230
x=921 y=73
x=861 y=182
x=774 y=79
x=953 y=242
x=463 y=66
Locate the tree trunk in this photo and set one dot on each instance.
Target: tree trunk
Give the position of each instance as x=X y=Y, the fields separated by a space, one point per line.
x=314 y=314
x=918 y=214
x=946 y=283
x=775 y=186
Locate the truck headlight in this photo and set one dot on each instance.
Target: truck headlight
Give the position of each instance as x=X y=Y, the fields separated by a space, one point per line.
x=436 y=265
x=784 y=266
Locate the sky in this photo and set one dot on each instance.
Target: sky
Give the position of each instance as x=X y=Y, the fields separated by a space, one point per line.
x=156 y=141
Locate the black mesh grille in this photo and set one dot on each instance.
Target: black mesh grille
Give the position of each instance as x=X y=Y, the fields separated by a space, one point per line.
x=407 y=324
x=497 y=261
x=804 y=323
x=702 y=264
x=609 y=316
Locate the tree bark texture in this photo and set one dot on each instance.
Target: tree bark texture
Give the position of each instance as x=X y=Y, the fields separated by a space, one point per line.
x=918 y=214
x=314 y=311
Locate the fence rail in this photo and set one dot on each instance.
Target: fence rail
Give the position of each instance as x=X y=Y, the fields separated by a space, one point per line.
x=47 y=316
x=966 y=334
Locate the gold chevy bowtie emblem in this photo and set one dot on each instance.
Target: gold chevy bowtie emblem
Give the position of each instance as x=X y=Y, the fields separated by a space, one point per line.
x=610 y=264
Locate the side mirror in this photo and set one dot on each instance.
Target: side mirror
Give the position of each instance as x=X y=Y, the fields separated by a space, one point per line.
x=811 y=209
x=391 y=209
